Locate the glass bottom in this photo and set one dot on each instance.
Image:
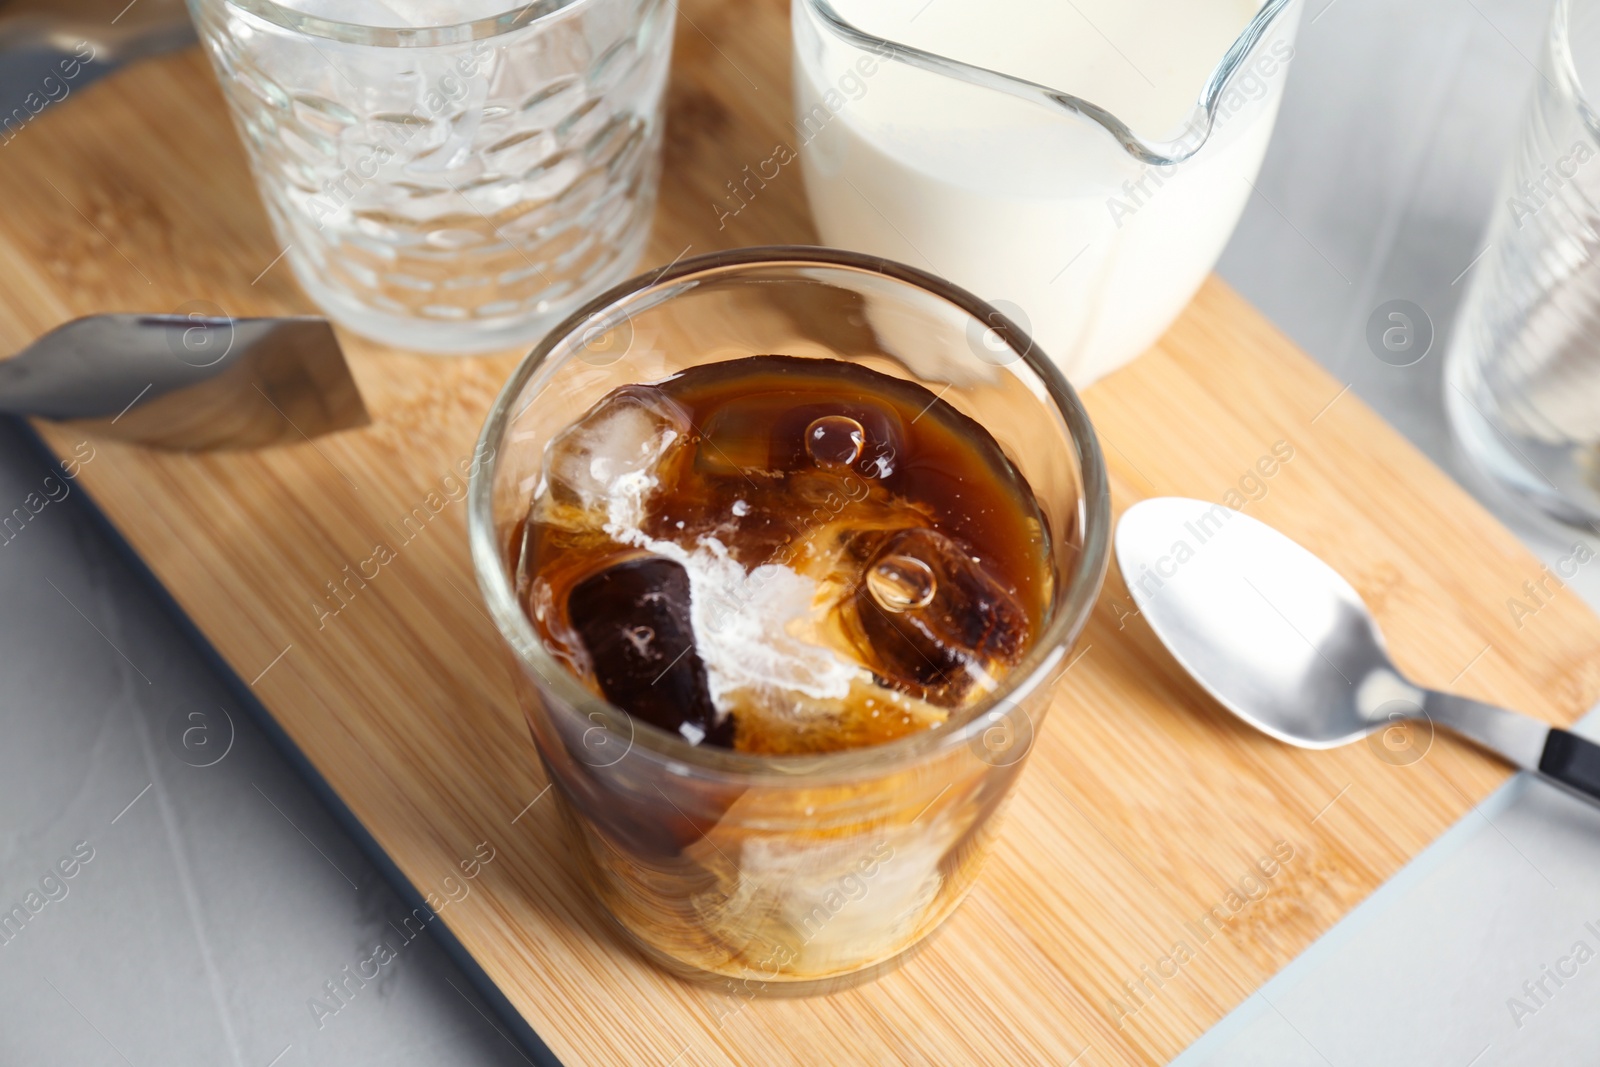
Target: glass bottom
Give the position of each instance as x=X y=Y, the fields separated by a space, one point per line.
x=752 y=987
x=1562 y=481
x=463 y=337
x=641 y=920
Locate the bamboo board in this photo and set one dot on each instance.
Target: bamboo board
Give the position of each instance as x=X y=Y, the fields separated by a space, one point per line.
x=1144 y=808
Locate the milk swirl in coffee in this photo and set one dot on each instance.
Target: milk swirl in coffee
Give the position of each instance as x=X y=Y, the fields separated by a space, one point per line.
x=783 y=556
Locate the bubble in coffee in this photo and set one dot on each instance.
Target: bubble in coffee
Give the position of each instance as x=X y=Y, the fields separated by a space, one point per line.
x=781 y=555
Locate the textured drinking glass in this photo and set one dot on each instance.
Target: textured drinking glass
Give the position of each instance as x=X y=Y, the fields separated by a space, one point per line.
x=787 y=873
x=1523 y=373
x=450 y=177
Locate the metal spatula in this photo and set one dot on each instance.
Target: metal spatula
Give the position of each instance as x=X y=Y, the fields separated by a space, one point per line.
x=188 y=382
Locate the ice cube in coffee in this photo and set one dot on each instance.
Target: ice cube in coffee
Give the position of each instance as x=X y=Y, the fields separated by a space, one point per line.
x=785 y=556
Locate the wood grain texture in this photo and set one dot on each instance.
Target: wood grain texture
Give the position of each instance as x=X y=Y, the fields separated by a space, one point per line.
x=1144 y=806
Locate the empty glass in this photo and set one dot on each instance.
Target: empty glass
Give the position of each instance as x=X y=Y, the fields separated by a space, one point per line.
x=1523 y=372
x=787 y=873
x=451 y=177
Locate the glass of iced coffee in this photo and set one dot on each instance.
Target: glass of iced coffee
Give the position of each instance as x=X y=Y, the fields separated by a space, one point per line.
x=789 y=545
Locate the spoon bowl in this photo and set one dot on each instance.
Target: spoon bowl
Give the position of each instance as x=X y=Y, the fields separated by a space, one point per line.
x=1284 y=642
x=1265 y=627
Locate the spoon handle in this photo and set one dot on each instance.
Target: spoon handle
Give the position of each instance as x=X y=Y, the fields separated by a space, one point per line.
x=1519 y=739
x=1559 y=755
x=1572 y=761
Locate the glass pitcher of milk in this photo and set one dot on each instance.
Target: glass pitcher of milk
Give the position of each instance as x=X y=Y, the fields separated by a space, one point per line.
x=1079 y=163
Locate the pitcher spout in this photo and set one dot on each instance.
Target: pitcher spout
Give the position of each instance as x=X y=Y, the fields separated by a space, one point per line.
x=1160 y=151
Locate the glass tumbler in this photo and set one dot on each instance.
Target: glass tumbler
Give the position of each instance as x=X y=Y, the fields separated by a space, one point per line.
x=1522 y=379
x=787 y=873
x=450 y=177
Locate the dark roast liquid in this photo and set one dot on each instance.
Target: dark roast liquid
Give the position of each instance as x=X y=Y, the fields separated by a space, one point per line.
x=929 y=555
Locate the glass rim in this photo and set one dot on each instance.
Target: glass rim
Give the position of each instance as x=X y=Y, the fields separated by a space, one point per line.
x=1082 y=584
x=1558 y=52
x=1202 y=118
x=516 y=16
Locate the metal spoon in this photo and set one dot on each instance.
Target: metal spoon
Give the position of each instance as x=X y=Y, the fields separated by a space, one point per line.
x=75 y=42
x=1285 y=643
x=188 y=381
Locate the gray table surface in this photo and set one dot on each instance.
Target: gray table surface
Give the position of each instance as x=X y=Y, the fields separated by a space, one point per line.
x=220 y=899
x=213 y=894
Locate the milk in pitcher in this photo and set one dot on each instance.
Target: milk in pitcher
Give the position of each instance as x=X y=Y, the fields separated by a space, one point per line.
x=1042 y=210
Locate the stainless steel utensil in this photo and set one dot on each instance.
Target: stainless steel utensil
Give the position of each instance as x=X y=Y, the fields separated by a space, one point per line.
x=50 y=49
x=114 y=31
x=1285 y=643
x=187 y=381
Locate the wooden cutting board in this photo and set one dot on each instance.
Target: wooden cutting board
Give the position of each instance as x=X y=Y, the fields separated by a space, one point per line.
x=1145 y=808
